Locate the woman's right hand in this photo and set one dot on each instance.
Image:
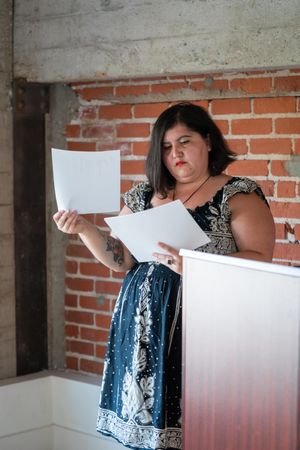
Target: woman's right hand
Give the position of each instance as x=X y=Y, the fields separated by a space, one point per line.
x=71 y=222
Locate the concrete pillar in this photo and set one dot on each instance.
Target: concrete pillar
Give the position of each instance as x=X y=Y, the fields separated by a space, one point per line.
x=7 y=277
x=63 y=105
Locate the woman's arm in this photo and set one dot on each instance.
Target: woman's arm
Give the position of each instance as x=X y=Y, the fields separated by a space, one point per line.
x=252 y=227
x=107 y=249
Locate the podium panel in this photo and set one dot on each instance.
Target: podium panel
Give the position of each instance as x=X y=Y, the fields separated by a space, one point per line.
x=240 y=355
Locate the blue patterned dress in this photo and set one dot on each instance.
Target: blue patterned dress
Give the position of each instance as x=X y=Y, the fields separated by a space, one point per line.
x=140 y=400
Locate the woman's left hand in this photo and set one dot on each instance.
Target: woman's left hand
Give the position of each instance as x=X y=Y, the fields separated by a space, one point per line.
x=172 y=259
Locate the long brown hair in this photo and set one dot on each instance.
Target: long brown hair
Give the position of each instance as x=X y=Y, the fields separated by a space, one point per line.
x=196 y=119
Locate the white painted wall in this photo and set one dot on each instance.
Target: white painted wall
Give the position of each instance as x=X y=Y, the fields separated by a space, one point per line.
x=51 y=411
x=92 y=39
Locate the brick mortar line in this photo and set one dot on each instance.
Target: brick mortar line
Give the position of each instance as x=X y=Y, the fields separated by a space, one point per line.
x=291 y=200
x=286 y=199
x=272 y=198
x=110 y=297
x=77 y=275
x=187 y=77
x=81 y=259
x=82 y=325
x=186 y=94
x=118 y=140
x=87 y=310
x=95 y=278
x=117 y=121
x=133 y=158
x=85 y=339
x=286 y=241
x=75 y=308
x=133 y=177
x=91 y=311
x=93 y=358
x=76 y=292
x=80 y=356
x=254 y=115
x=282 y=220
x=271 y=135
x=263 y=157
x=295 y=262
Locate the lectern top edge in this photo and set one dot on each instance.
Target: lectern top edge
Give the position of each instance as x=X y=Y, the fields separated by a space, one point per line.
x=240 y=262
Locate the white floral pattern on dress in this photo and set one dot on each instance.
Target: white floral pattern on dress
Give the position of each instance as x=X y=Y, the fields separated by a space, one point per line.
x=140 y=437
x=138 y=392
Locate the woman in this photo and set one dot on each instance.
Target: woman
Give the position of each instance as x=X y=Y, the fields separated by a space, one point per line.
x=141 y=389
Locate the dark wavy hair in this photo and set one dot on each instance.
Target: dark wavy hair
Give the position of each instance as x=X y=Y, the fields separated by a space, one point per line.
x=196 y=119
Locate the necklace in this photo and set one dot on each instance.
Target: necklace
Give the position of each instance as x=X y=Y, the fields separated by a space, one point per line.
x=193 y=193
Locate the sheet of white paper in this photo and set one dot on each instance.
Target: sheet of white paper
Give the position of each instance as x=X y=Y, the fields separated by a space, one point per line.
x=88 y=182
x=170 y=223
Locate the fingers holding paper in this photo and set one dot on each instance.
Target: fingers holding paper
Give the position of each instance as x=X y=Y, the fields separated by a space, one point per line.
x=170 y=259
x=70 y=222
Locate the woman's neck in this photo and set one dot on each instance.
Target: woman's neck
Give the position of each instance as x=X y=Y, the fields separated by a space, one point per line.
x=189 y=190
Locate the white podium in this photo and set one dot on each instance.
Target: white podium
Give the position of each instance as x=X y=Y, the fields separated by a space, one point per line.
x=241 y=375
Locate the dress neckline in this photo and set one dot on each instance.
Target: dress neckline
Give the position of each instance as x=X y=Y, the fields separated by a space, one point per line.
x=193 y=210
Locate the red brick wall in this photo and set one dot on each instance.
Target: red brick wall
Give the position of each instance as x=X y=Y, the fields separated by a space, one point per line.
x=259 y=113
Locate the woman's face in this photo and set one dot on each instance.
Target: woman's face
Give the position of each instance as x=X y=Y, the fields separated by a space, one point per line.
x=185 y=154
